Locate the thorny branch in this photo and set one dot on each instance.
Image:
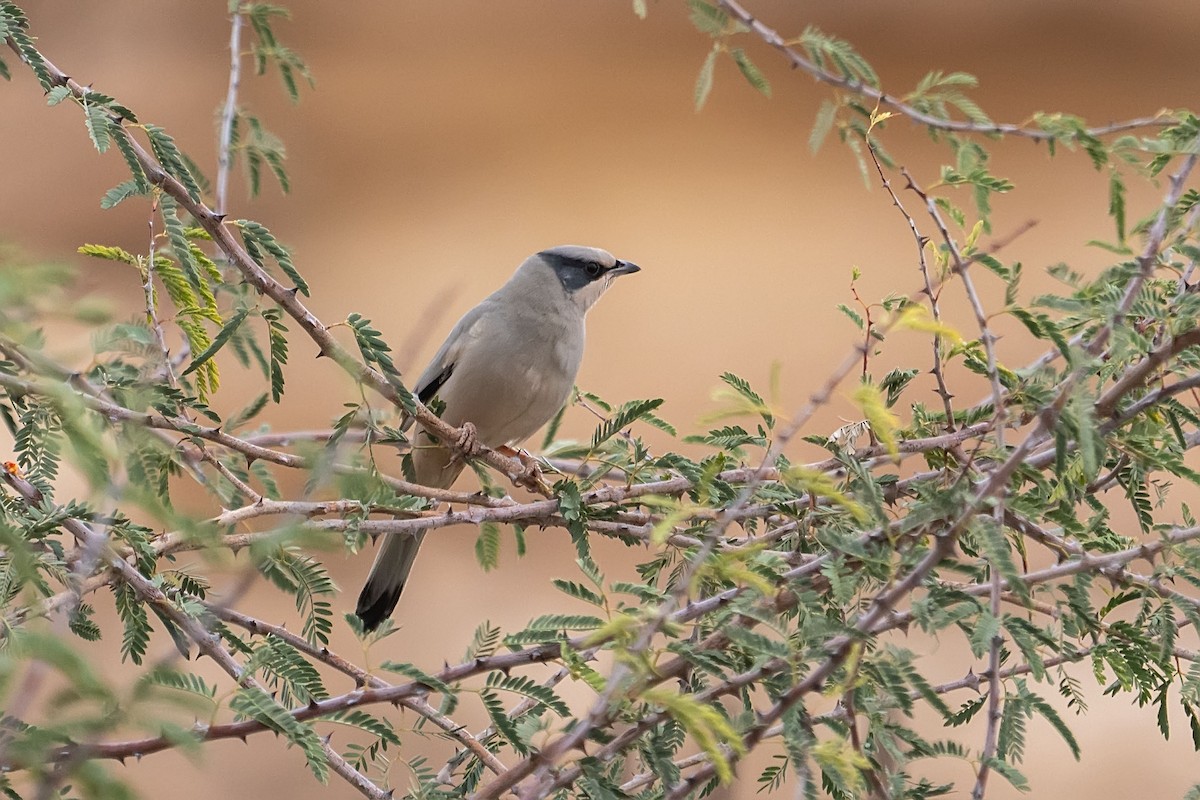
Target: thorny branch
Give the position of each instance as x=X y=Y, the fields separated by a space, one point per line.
x=877 y=96
x=551 y=767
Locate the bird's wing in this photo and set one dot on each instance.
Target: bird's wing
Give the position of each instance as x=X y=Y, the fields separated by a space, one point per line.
x=442 y=366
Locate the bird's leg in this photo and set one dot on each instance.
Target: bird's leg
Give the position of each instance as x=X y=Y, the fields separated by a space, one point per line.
x=468 y=441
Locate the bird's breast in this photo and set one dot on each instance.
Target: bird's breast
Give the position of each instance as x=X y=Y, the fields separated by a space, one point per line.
x=514 y=378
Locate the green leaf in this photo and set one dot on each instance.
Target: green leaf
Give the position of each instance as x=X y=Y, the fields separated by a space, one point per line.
x=371 y=345
x=96 y=119
x=137 y=624
x=181 y=681
x=998 y=550
x=131 y=161
x=708 y=18
x=17 y=27
x=171 y=159
x=704 y=723
x=987 y=628
x=884 y=423
x=277 y=333
x=1010 y=774
x=1116 y=202
x=753 y=401
x=417 y=675
x=57 y=95
x=254 y=703
x=219 y=340
x=529 y=688
x=624 y=416
x=484 y=642
x=1052 y=716
x=181 y=246
x=894 y=383
x=119 y=192
x=107 y=252
x=257 y=238
x=826 y=115
x=502 y=722
x=751 y=72
x=487 y=546
x=579 y=592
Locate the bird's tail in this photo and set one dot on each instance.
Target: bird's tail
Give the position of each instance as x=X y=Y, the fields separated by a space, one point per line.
x=388 y=575
x=436 y=467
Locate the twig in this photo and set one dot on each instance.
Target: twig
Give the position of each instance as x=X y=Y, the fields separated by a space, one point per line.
x=361 y=678
x=999 y=415
x=799 y=61
x=934 y=306
x=229 y=112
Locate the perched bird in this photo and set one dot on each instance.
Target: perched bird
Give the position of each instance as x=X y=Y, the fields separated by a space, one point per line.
x=505 y=369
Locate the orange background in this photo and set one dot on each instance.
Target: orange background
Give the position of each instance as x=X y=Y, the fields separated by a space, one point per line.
x=446 y=141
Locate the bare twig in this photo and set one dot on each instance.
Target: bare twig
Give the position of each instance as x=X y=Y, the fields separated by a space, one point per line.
x=229 y=112
x=931 y=293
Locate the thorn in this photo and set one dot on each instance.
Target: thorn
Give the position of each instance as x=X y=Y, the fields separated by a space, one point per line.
x=294 y=291
x=327 y=739
x=321 y=353
x=217 y=217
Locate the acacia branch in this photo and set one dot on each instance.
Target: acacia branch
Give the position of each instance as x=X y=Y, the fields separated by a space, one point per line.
x=874 y=95
x=286 y=298
x=361 y=678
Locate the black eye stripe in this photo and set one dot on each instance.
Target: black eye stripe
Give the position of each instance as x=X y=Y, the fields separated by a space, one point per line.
x=575 y=273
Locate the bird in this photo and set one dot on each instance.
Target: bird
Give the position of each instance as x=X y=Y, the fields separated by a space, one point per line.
x=506 y=368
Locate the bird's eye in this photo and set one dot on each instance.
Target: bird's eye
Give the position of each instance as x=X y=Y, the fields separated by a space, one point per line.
x=593 y=269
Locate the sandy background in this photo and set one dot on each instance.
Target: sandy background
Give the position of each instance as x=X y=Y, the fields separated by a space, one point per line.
x=446 y=141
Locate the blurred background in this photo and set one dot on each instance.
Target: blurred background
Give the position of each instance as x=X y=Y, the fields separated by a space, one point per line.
x=445 y=141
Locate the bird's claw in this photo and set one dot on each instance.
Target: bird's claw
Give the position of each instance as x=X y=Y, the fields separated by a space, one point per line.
x=530 y=476
x=468 y=441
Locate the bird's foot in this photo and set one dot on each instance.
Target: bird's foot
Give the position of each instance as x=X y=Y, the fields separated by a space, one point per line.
x=530 y=476
x=468 y=441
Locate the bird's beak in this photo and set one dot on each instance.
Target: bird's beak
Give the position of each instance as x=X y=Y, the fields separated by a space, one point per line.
x=624 y=268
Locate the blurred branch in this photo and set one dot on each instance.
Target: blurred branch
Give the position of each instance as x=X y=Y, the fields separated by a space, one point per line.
x=230 y=110
x=874 y=95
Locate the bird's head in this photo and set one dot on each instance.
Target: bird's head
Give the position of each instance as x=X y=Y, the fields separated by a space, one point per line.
x=583 y=272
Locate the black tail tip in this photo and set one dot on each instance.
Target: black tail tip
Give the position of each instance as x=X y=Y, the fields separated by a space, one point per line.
x=375 y=606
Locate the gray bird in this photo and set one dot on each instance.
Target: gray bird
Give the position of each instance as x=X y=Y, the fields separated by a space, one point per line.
x=507 y=367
